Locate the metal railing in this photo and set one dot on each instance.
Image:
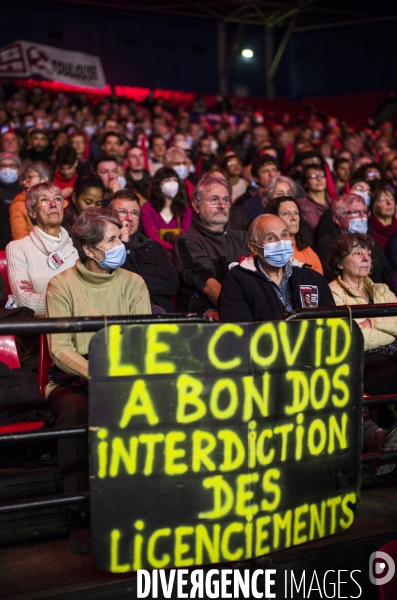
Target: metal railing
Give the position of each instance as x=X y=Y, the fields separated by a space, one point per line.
x=91 y=324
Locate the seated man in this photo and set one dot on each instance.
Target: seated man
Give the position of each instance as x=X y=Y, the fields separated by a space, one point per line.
x=205 y=252
x=107 y=169
x=265 y=285
x=145 y=257
x=350 y=215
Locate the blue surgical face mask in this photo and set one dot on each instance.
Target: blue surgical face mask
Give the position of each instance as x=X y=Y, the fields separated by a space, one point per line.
x=277 y=254
x=358 y=225
x=114 y=258
x=365 y=195
x=182 y=171
x=8 y=175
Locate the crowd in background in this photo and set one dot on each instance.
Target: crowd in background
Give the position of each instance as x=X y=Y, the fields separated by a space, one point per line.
x=108 y=207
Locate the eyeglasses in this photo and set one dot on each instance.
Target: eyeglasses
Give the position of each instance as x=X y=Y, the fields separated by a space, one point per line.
x=232 y=163
x=373 y=175
x=355 y=214
x=124 y=213
x=316 y=176
x=215 y=201
x=44 y=201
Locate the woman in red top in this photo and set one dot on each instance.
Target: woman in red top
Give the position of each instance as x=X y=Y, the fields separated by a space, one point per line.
x=167 y=209
x=383 y=216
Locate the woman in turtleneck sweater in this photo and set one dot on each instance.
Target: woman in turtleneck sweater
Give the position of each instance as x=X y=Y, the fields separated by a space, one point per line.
x=94 y=286
x=33 y=260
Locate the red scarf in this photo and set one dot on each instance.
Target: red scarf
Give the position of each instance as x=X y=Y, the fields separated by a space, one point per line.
x=383 y=232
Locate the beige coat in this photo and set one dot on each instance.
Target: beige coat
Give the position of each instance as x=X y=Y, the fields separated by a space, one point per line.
x=383 y=330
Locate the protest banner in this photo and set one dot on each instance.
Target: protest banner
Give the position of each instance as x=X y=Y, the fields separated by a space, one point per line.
x=222 y=442
x=27 y=59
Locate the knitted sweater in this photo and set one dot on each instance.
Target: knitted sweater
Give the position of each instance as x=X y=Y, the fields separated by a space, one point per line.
x=383 y=330
x=78 y=292
x=27 y=259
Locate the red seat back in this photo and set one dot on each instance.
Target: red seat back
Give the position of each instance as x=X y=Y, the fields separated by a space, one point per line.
x=388 y=591
x=9 y=352
x=4 y=273
x=45 y=362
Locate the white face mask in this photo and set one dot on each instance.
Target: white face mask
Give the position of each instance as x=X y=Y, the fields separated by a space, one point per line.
x=365 y=195
x=170 y=188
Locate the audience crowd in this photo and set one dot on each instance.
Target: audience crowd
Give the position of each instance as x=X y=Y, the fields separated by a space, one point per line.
x=110 y=207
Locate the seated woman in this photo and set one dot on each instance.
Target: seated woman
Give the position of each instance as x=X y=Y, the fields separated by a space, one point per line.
x=350 y=262
x=30 y=174
x=95 y=286
x=289 y=210
x=383 y=216
x=167 y=209
x=33 y=260
x=88 y=192
x=232 y=169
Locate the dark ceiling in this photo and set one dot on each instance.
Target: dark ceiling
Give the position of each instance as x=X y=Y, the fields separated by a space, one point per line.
x=307 y=14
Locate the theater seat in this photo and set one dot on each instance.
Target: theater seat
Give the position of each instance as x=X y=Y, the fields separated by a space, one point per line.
x=9 y=356
x=45 y=362
x=4 y=274
x=388 y=591
x=9 y=352
x=21 y=426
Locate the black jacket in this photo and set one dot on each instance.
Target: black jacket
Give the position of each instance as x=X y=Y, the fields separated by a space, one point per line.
x=380 y=265
x=201 y=254
x=148 y=259
x=247 y=295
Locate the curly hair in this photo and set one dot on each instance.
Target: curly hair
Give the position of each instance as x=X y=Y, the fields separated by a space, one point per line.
x=156 y=196
x=342 y=247
x=303 y=238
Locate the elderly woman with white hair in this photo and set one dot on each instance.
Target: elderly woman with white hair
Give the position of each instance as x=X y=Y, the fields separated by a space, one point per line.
x=33 y=260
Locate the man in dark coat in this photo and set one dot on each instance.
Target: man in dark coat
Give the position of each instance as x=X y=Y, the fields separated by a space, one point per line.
x=266 y=285
x=205 y=252
x=145 y=257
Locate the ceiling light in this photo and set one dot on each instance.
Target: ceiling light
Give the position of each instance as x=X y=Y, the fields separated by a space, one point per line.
x=247 y=53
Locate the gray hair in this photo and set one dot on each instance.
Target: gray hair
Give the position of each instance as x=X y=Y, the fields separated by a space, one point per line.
x=172 y=153
x=282 y=179
x=205 y=184
x=255 y=230
x=43 y=170
x=90 y=226
x=344 y=202
x=34 y=193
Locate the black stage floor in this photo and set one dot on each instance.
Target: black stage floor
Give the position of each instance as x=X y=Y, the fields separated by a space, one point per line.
x=46 y=569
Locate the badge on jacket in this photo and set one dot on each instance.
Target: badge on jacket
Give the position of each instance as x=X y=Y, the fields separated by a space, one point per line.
x=55 y=260
x=309 y=296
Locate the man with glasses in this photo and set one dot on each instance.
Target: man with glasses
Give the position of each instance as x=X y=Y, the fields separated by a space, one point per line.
x=205 y=252
x=145 y=257
x=350 y=215
x=316 y=201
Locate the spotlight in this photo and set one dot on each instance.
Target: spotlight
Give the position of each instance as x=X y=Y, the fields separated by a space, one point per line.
x=247 y=53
